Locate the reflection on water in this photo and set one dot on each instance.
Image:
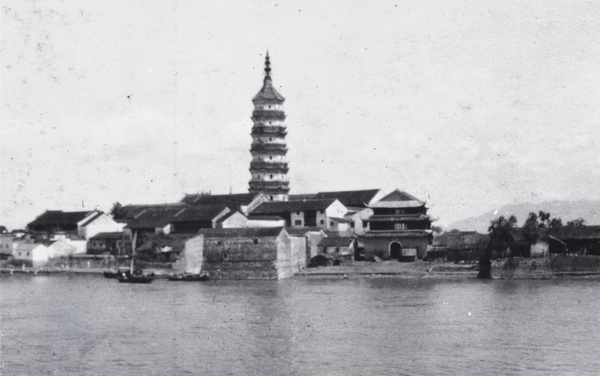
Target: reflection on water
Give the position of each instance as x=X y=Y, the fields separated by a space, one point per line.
x=87 y=325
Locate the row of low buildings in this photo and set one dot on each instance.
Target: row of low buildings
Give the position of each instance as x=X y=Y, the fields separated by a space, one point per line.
x=470 y=245
x=325 y=228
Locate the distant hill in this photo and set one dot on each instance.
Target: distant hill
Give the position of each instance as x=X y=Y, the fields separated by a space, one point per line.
x=567 y=210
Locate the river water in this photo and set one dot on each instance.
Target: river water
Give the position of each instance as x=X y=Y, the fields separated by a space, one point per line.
x=88 y=325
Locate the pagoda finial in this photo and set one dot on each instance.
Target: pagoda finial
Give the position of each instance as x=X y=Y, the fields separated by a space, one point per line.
x=267 y=65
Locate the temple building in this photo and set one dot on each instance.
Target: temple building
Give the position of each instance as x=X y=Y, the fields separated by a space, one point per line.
x=269 y=166
x=398 y=229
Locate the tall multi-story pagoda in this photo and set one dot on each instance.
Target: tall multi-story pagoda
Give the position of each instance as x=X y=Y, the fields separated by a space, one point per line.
x=269 y=166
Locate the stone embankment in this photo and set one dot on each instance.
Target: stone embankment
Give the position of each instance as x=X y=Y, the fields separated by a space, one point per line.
x=557 y=266
x=395 y=269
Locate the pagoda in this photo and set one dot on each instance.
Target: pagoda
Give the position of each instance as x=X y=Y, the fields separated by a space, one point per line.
x=269 y=166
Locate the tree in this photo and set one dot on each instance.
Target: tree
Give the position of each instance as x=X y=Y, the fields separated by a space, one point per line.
x=576 y=222
x=535 y=222
x=546 y=221
x=3 y=230
x=118 y=211
x=531 y=231
x=501 y=233
x=501 y=237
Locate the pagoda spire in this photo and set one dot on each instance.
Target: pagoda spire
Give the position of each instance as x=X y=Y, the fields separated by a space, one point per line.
x=267 y=66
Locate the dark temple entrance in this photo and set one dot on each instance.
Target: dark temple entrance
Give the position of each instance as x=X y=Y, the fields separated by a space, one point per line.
x=395 y=250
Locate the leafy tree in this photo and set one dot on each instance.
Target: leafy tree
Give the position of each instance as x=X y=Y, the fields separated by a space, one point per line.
x=3 y=230
x=118 y=211
x=535 y=222
x=501 y=237
x=546 y=221
x=501 y=233
x=576 y=222
x=531 y=231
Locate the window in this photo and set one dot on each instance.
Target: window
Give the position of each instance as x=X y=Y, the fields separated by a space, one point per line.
x=365 y=224
x=270 y=158
x=399 y=226
x=351 y=224
x=331 y=224
x=255 y=241
x=298 y=222
x=322 y=222
x=271 y=176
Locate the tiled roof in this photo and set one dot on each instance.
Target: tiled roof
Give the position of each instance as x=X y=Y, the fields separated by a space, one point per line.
x=157 y=217
x=131 y=211
x=576 y=232
x=234 y=201
x=152 y=218
x=356 y=199
x=398 y=199
x=300 y=197
x=336 y=242
x=92 y=218
x=350 y=198
x=264 y=218
x=107 y=236
x=277 y=207
x=268 y=92
x=52 y=217
x=241 y=232
x=198 y=213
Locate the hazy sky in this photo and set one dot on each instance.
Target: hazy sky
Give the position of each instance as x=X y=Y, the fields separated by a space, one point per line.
x=466 y=104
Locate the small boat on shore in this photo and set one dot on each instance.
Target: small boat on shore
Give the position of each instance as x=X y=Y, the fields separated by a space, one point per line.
x=115 y=273
x=133 y=275
x=127 y=277
x=189 y=277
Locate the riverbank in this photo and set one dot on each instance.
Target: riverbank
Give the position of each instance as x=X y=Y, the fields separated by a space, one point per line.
x=557 y=266
x=158 y=273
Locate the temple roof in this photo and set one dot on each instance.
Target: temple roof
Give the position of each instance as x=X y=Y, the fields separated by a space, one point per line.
x=398 y=199
x=268 y=92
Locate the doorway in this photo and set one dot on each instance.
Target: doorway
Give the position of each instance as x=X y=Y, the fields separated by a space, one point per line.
x=395 y=250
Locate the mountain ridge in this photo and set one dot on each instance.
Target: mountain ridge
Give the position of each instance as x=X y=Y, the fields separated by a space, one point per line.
x=567 y=210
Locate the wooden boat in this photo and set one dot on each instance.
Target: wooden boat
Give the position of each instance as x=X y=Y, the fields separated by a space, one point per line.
x=110 y=274
x=127 y=277
x=133 y=275
x=189 y=277
x=115 y=273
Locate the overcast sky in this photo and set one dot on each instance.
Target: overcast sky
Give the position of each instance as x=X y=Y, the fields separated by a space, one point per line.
x=467 y=105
